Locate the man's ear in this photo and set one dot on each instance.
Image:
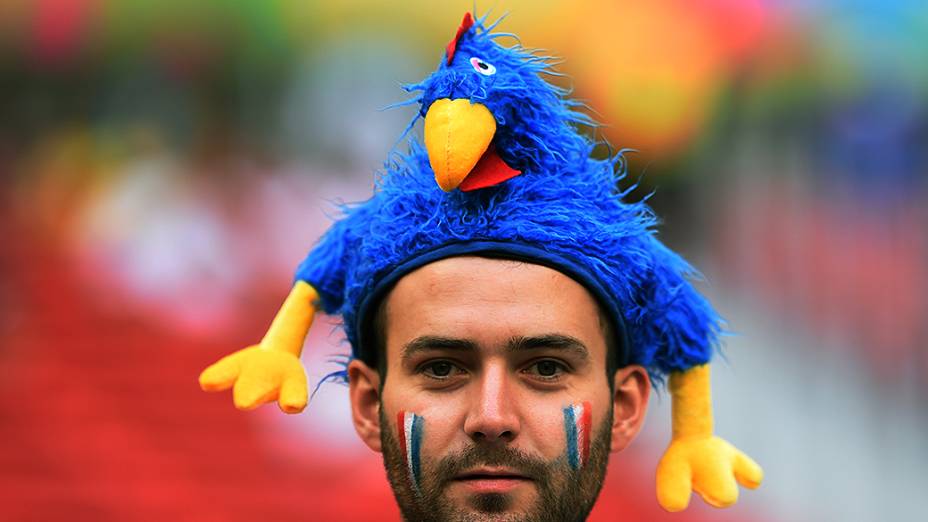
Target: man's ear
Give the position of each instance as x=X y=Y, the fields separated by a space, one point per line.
x=364 y=386
x=630 y=403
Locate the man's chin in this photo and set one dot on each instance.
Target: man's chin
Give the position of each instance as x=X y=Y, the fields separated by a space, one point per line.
x=509 y=495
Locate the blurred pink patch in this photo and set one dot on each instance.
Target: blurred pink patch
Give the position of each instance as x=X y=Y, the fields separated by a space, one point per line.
x=60 y=28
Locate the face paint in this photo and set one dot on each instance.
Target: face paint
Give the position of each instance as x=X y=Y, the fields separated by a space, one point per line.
x=577 y=422
x=410 y=426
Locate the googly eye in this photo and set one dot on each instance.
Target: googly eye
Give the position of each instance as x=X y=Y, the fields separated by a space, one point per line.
x=482 y=67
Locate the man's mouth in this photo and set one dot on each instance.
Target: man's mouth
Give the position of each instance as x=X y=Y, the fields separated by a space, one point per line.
x=491 y=480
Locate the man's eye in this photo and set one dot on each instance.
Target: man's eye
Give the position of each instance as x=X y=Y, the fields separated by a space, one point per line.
x=438 y=369
x=547 y=369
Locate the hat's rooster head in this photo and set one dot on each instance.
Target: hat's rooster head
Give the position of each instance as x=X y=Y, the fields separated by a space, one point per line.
x=489 y=116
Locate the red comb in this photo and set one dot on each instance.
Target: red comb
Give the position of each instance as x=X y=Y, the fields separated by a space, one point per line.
x=466 y=24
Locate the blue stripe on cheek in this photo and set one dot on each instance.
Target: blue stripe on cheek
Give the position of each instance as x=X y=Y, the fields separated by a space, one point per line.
x=415 y=444
x=570 y=428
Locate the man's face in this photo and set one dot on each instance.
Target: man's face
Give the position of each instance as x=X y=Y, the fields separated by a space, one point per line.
x=496 y=403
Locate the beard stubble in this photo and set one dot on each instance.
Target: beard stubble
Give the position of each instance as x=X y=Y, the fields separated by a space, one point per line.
x=563 y=494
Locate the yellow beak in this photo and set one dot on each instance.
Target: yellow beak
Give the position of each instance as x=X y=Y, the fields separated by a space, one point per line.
x=457 y=133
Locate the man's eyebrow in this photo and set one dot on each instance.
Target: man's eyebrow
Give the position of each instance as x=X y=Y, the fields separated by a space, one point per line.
x=427 y=343
x=519 y=343
x=558 y=341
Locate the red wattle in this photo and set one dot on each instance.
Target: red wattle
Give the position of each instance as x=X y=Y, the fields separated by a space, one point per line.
x=490 y=170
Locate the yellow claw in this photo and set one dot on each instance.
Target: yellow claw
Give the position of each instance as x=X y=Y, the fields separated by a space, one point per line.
x=258 y=375
x=271 y=370
x=697 y=460
x=710 y=466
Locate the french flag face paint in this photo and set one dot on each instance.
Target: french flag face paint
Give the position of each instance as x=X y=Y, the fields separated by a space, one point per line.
x=410 y=434
x=577 y=421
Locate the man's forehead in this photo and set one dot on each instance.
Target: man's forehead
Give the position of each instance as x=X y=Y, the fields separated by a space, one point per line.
x=487 y=304
x=471 y=269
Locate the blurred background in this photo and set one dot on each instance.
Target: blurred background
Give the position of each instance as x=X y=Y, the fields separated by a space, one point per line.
x=166 y=164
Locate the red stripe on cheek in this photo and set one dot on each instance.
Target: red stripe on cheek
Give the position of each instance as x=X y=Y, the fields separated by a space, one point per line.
x=401 y=427
x=586 y=422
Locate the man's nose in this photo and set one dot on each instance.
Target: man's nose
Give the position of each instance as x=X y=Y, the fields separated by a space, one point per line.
x=492 y=414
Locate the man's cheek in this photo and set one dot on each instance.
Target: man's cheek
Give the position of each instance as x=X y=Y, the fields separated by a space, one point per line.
x=411 y=427
x=577 y=428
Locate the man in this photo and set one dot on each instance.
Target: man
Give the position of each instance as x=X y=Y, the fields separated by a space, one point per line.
x=489 y=353
x=506 y=308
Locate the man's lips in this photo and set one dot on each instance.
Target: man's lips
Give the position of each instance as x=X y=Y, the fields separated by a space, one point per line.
x=487 y=480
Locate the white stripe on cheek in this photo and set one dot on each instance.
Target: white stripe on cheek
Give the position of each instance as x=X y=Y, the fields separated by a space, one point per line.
x=407 y=428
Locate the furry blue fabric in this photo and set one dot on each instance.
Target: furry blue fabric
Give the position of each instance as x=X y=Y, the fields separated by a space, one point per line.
x=564 y=211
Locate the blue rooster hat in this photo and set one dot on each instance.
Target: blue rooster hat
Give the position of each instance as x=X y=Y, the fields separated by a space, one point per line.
x=504 y=172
